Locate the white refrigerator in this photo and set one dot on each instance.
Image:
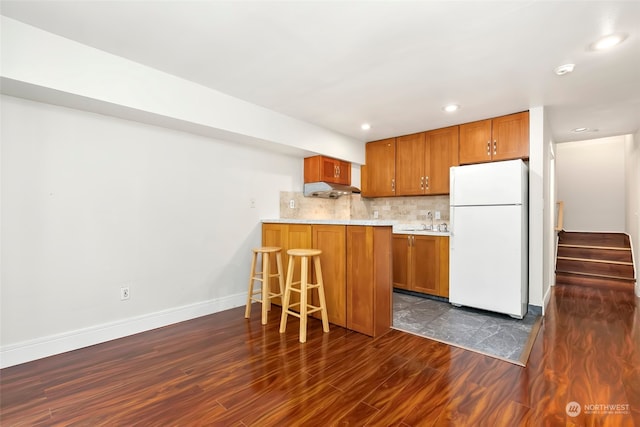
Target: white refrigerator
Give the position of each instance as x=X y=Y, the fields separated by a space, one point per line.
x=488 y=264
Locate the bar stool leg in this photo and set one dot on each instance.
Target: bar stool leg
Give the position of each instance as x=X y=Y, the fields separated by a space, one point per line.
x=252 y=273
x=323 y=302
x=287 y=296
x=266 y=301
x=280 y=275
x=304 y=270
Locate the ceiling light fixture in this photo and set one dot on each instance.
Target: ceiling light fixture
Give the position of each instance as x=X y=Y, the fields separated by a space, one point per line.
x=564 y=69
x=608 y=42
x=365 y=126
x=579 y=130
x=451 y=108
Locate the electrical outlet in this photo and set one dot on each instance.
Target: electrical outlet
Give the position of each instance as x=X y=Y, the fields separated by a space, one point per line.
x=437 y=214
x=124 y=293
x=252 y=203
x=292 y=204
x=375 y=214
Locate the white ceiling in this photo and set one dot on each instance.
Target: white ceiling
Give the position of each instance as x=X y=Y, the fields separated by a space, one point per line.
x=390 y=63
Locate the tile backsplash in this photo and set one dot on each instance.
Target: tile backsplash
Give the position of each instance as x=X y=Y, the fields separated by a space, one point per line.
x=403 y=209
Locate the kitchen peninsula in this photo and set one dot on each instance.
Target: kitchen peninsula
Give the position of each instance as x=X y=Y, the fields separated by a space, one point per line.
x=356 y=266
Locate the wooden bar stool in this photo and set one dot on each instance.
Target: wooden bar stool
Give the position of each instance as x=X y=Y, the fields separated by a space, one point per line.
x=264 y=276
x=304 y=286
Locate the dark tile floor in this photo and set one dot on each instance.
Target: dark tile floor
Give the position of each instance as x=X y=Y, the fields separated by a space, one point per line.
x=492 y=334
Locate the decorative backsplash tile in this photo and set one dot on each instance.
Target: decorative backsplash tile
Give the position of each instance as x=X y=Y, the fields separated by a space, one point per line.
x=313 y=207
x=403 y=209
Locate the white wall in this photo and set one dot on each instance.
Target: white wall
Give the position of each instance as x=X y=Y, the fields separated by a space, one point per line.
x=549 y=209
x=591 y=182
x=632 y=178
x=537 y=182
x=91 y=203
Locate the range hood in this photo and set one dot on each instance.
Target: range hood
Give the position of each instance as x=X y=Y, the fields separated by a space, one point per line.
x=328 y=190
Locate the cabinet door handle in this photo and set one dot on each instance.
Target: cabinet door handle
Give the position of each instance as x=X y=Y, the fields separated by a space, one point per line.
x=393 y=184
x=422 y=182
x=488 y=148
x=495 y=147
x=426 y=182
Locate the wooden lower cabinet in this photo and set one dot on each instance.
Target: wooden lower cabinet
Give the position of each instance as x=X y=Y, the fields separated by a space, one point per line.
x=286 y=236
x=369 y=290
x=331 y=240
x=356 y=270
x=421 y=264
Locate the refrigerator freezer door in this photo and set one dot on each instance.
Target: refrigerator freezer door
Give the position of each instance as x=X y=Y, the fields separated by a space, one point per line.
x=488 y=259
x=497 y=183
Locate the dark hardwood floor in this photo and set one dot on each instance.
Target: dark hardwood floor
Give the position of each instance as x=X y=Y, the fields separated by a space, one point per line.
x=225 y=370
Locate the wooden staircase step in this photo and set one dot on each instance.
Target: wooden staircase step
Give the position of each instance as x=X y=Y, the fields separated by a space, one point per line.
x=605 y=254
x=619 y=240
x=578 y=279
x=602 y=276
x=610 y=248
x=602 y=261
x=608 y=269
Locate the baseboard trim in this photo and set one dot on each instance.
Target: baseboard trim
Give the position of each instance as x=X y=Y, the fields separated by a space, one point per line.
x=546 y=298
x=38 y=348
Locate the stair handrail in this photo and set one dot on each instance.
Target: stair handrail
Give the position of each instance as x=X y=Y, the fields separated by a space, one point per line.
x=560 y=217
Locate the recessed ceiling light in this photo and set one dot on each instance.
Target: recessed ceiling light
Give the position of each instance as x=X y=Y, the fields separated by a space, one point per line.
x=584 y=130
x=564 y=69
x=609 y=41
x=450 y=108
x=365 y=126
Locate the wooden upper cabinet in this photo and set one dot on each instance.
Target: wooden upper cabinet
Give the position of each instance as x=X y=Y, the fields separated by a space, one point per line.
x=501 y=138
x=423 y=161
x=418 y=164
x=327 y=169
x=442 y=153
x=511 y=137
x=475 y=142
x=410 y=164
x=380 y=157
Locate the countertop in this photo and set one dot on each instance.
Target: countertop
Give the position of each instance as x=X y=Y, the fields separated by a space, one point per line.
x=417 y=229
x=368 y=222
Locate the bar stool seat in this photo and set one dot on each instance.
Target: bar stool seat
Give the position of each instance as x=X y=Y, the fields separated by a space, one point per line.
x=302 y=289
x=264 y=292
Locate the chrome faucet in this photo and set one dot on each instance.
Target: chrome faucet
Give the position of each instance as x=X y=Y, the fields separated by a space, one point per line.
x=430 y=216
